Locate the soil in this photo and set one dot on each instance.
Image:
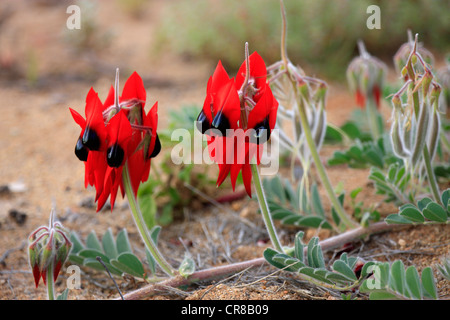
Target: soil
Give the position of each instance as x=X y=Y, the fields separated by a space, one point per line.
x=42 y=75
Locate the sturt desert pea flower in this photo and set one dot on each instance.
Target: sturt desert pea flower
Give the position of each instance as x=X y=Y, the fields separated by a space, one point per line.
x=48 y=249
x=126 y=136
x=238 y=116
x=365 y=76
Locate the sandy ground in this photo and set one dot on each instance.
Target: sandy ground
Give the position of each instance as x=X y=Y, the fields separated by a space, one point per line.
x=42 y=76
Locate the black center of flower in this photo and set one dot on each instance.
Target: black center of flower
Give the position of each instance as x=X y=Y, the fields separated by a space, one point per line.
x=262 y=132
x=156 y=148
x=221 y=123
x=90 y=139
x=114 y=156
x=81 y=151
x=202 y=122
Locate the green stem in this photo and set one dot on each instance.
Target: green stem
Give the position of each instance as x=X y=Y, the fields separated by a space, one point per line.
x=321 y=170
x=432 y=181
x=50 y=283
x=431 y=177
x=372 y=118
x=140 y=223
x=267 y=217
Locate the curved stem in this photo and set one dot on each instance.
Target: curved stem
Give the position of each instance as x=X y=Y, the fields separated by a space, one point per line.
x=284 y=56
x=321 y=170
x=140 y=224
x=431 y=176
x=265 y=208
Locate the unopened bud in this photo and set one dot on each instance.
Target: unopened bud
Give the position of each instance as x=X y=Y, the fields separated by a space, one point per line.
x=48 y=247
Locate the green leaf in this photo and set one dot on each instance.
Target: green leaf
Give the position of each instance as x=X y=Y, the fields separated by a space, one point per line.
x=397 y=279
x=446 y=199
x=396 y=219
x=355 y=192
x=93 y=254
x=435 y=212
x=313 y=222
x=428 y=283
x=128 y=263
x=317 y=202
x=149 y=209
x=154 y=233
x=317 y=255
x=63 y=295
x=412 y=214
x=95 y=264
x=122 y=242
x=382 y=295
x=289 y=263
x=299 y=247
x=75 y=258
x=277 y=188
x=318 y=274
x=92 y=241
x=343 y=268
x=109 y=245
x=77 y=245
x=413 y=282
x=269 y=254
x=422 y=203
x=280 y=214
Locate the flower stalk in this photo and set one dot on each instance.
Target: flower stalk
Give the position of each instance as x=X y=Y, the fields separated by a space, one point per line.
x=288 y=81
x=265 y=211
x=140 y=224
x=419 y=115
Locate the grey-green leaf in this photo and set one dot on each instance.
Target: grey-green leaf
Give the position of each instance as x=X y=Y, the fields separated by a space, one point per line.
x=130 y=264
x=428 y=283
x=341 y=267
x=413 y=282
x=412 y=214
x=122 y=242
x=109 y=245
x=92 y=241
x=435 y=212
x=397 y=280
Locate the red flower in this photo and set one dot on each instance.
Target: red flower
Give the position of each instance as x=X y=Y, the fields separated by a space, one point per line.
x=126 y=136
x=238 y=116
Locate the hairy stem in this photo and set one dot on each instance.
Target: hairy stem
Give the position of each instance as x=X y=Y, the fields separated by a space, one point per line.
x=140 y=224
x=321 y=170
x=267 y=217
x=50 y=283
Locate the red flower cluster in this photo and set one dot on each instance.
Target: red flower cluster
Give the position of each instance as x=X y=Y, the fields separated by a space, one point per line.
x=117 y=133
x=238 y=116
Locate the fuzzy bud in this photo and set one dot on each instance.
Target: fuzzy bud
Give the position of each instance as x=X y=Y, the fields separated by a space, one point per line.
x=48 y=247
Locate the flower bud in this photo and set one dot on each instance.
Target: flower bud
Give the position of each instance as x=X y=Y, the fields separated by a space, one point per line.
x=48 y=247
x=365 y=76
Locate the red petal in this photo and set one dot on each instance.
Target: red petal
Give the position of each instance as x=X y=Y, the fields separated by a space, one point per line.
x=36 y=275
x=134 y=89
x=110 y=98
x=119 y=131
x=267 y=106
x=56 y=270
x=360 y=99
x=247 y=177
x=377 y=95
x=258 y=72
x=78 y=118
